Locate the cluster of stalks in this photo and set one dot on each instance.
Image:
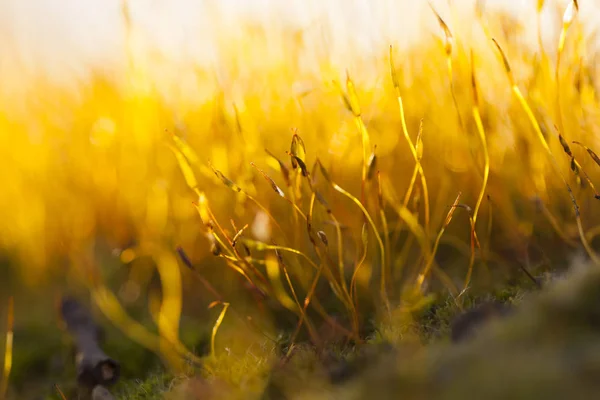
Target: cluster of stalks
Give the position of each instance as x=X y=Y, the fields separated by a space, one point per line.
x=288 y=269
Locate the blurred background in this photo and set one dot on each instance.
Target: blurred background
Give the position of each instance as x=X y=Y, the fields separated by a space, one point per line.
x=106 y=107
x=83 y=83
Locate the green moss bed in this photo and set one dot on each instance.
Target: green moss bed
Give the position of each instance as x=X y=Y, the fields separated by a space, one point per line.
x=519 y=343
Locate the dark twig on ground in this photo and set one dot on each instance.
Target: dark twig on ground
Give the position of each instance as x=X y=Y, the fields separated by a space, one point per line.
x=95 y=369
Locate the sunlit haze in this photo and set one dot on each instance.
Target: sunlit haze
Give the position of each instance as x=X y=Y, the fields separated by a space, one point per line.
x=66 y=39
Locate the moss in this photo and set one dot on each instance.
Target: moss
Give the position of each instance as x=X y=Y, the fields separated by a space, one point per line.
x=153 y=387
x=548 y=348
x=40 y=359
x=434 y=322
x=546 y=329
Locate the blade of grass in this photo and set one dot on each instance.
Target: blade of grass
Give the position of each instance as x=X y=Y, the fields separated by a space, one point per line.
x=407 y=137
x=568 y=17
x=307 y=300
x=410 y=220
x=230 y=184
x=473 y=242
x=365 y=241
x=334 y=284
x=486 y=170
x=340 y=290
x=259 y=246
x=596 y=159
x=173 y=352
x=539 y=9
x=309 y=325
x=217 y=324
x=350 y=98
x=170 y=307
x=236 y=253
x=339 y=189
x=297 y=151
x=593 y=256
x=8 y=347
x=60 y=392
x=448 y=39
x=111 y=308
x=575 y=166
x=384 y=223
x=488 y=241
x=273 y=272
x=430 y=260
x=482 y=137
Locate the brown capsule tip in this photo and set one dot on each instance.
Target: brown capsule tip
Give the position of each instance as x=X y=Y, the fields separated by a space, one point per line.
x=323 y=237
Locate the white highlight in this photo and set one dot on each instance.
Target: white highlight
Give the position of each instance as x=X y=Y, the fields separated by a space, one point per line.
x=63 y=38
